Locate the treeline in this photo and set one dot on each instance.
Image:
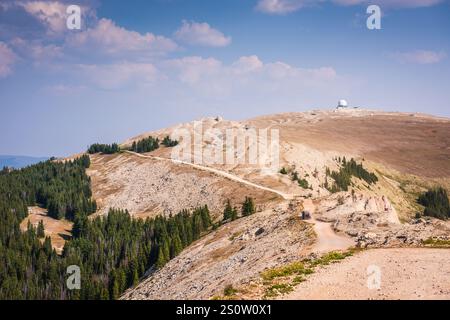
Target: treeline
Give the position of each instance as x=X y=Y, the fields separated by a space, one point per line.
x=436 y=203
x=103 y=148
x=348 y=169
x=169 y=142
x=145 y=145
x=150 y=144
x=141 y=146
x=115 y=252
x=31 y=269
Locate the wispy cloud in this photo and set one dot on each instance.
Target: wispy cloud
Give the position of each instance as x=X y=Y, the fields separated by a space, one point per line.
x=419 y=56
x=106 y=38
x=7 y=60
x=391 y=3
x=195 y=33
x=288 y=6
x=282 y=6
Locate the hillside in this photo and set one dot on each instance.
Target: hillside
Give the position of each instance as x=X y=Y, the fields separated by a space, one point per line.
x=408 y=153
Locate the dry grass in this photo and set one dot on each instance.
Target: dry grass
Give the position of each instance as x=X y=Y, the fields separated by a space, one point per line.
x=57 y=230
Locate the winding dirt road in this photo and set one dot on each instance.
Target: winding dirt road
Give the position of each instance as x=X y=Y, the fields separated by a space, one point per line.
x=227 y=175
x=327 y=239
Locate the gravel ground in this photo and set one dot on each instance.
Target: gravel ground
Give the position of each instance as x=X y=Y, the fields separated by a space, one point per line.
x=407 y=273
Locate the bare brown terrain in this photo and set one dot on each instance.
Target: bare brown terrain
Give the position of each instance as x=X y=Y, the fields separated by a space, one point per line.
x=404 y=274
x=231 y=255
x=148 y=187
x=57 y=230
x=409 y=153
x=391 y=139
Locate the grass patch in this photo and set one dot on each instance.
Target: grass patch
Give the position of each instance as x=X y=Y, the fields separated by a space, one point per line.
x=296 y=268
x=229 y=291
x=436 y=243
x=235 y=235
x=276 y=289
x=283 y=279
x=331 y=257
x=298 y=279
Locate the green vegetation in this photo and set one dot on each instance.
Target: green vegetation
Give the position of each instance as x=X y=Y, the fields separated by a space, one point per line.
x=436 y=203
x=281 y=280
x=348 y=169
x=248 y=207
x=145 y=145
x=229 y=213
x=103 y=148
x=113 y=252
x=301 y=182
x=169 y=142
x=40 y=230
x=283 y=170
x=437 y=243
x=229 y=291
x=61 y=187
x=296 y=268
x=276 y=289
x=330 y=257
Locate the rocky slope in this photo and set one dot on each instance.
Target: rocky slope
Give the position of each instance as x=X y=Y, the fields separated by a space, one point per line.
x=408 y=152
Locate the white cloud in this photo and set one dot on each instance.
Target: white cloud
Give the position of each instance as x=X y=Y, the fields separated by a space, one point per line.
x=287 y=6
x=419 y=56
x=193 y=69
x=282 y=6
x=106 y=38
x=392 y=3
x=247 y=64
x=7 y=60
x=37 y=51
x=51 y=13
x=211 y=75
x=202 y=34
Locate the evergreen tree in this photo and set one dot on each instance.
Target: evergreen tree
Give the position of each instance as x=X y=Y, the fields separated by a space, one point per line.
x=436 y=203
x=228 y=211
x=234 y=214
x=40 y=229
x=248 y=207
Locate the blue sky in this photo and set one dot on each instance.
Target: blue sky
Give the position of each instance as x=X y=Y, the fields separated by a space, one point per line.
x=141 y=65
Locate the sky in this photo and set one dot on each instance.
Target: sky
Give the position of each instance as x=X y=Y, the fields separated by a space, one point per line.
x=141 y=65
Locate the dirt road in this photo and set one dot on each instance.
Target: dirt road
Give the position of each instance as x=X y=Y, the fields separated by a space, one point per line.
x=407 y=273
x=327 y=239
x=218 y=172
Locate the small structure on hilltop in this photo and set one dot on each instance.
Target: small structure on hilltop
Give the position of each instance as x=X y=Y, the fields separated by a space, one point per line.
x=342 y=104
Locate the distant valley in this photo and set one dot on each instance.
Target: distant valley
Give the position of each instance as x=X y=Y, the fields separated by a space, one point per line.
x=17 y=162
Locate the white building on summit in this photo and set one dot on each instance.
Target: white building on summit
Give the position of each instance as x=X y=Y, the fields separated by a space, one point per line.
x=342 y=104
